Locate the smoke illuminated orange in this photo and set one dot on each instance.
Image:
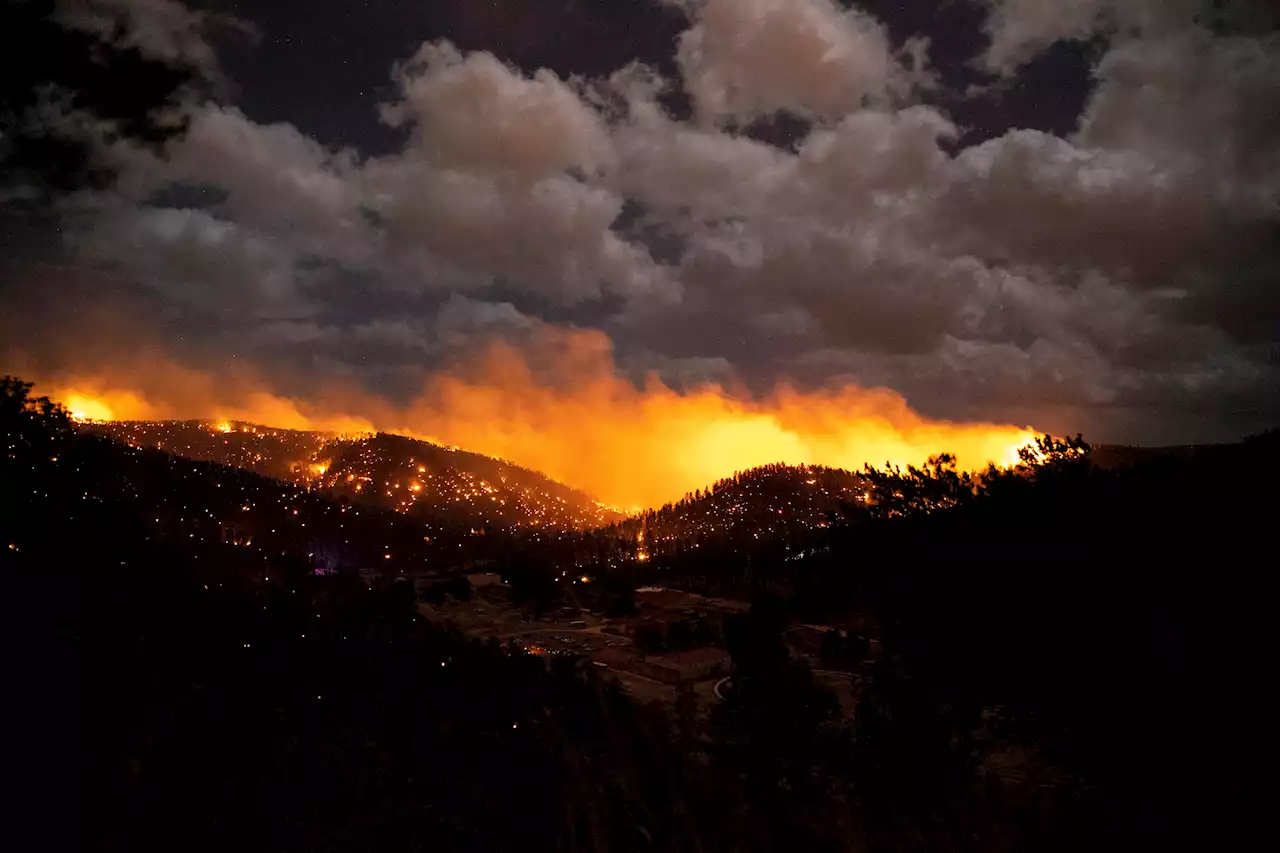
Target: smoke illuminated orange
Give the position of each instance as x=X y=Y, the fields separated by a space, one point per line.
x=584 y=424
x=87 y=407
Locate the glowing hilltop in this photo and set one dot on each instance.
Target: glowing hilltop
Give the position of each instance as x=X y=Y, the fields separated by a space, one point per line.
x=417 y=478
x=630 y=445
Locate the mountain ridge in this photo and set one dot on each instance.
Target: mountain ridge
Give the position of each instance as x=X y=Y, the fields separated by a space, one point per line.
x=441 y=483
x=420 y=478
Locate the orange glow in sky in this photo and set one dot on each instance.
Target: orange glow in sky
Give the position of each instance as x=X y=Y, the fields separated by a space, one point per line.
x=87 y=408
x=585 y=426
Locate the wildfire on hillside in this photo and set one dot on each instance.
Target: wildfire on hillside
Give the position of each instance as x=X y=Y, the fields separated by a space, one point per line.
x=588 y=427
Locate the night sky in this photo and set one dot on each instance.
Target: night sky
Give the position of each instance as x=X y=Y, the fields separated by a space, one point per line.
x=1024 y=212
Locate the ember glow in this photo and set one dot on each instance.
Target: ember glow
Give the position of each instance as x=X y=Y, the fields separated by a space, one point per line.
x=588 y=427
x=97 y=406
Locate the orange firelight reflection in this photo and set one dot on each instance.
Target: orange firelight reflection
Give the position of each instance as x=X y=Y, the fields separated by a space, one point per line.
x=583 y=424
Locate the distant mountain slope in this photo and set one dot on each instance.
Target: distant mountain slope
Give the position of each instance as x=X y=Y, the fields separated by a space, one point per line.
x=765 y=504
x=236 y=517
x=426 y=480
x=279 y=453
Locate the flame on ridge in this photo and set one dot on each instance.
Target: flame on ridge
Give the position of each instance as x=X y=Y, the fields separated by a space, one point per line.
x=585 y=425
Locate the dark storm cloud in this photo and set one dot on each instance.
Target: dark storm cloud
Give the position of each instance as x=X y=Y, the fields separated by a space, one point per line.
x=840 y=198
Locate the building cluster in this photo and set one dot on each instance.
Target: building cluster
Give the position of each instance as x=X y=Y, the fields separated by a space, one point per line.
x=671 y=638
x=675 y=636
x=684 y=667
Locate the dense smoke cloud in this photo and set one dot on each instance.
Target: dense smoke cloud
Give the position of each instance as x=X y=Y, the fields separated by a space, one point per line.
x=1117 y=280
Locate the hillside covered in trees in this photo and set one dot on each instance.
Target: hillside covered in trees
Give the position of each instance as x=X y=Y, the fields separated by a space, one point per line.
x=432 y=482
x=768 y=502
x=761 y=516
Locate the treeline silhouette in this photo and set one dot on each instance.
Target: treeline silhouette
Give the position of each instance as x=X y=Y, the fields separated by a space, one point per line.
x=1070 y=655
x=1087 y=640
